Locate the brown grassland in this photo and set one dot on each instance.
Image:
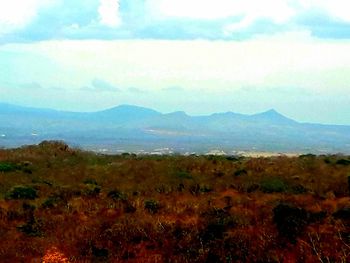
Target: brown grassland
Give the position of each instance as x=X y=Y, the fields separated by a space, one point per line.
x=59 y=204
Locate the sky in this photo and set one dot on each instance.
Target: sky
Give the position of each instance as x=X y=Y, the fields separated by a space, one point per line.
x=197 y=56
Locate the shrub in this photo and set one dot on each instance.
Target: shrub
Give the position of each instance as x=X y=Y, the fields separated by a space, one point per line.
x=99 y=252
x=22 y=192
x=90 y=181
x=217 y=222
x=298 y=189
x=128 y=207
x=240 y=172
x=205 y=189
x=164 y=189
x=232 y=158
x=7 y=167
x=51 y=202
x=213 y=230
x=343 y=213
x=290 y=220
x=273 y=185
x=31 y=228
x=152 y=206
x=343 y=162
x=27 y=171
x=327 y=161
x=317 y=217
x=91 y=190
x=116 y=195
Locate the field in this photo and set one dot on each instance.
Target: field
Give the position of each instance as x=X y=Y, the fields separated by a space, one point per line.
x=59 y=204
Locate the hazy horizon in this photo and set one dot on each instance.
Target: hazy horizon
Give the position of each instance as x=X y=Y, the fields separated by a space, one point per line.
x=195 y=56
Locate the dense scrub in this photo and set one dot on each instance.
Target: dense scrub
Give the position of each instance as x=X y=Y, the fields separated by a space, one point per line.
x=59 y=204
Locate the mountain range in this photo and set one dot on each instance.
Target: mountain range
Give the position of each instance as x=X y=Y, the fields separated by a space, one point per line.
x=137 y=129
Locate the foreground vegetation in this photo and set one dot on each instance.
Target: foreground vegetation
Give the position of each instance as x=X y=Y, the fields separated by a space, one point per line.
x=59 y=204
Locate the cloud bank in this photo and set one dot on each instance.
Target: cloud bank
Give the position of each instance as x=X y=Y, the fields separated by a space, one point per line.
x=32 y=20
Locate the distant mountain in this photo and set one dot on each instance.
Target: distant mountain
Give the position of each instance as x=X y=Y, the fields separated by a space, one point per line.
x=272 y=116
x=126 y=113
x=133 y=128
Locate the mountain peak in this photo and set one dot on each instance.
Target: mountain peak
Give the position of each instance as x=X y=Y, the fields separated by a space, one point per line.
x=124 y=113
x=128 y=107
x=272 y=115
x=272 y=112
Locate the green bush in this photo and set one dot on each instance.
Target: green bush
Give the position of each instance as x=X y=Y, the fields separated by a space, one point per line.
x=22 y=192
x=7 y=167
x=273 y=185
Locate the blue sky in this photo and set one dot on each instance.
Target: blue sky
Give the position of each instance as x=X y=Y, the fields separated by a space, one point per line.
x=193 y=55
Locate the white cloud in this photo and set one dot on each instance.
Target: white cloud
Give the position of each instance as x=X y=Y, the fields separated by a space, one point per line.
x=15 y=14
x=197 y=9
x=278 y=10
x=109 y=13
x=338 y=9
